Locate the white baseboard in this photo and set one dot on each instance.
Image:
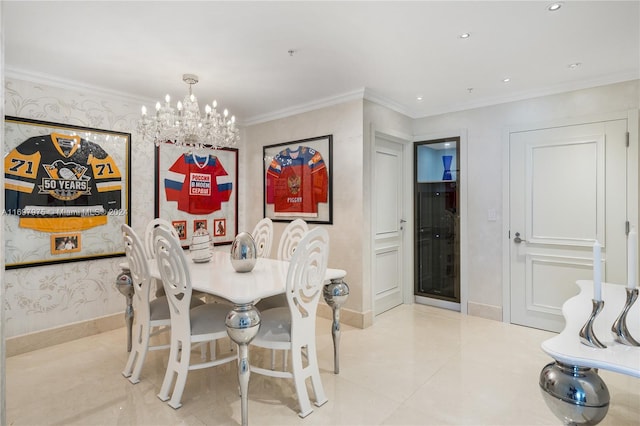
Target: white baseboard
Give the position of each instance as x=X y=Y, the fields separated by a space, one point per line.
x=54 y=336
x=484 y=311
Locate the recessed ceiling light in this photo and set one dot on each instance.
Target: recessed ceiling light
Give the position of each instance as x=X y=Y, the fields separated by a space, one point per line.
x=419 y=98
x=506 y=80
x=574 y=65
x=464 y=35
x=554 y=6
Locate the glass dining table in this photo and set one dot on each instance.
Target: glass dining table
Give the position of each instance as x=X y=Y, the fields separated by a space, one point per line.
x=268 y=278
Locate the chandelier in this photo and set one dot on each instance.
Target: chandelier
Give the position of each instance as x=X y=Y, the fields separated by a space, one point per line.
x=184 y=126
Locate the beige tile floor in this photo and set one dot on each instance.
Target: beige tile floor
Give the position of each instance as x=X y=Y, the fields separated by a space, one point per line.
x=417 y=365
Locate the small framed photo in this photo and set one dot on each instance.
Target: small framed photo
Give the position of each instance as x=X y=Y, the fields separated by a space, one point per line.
x=181 y=228
x=67 y=243
x=199 y=224
x=219 y=227
x=298 y=180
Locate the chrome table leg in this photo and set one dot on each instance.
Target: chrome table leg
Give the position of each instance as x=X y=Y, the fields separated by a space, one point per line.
x=124 y=283
x=576 y=395
x=336 y=294
x=243 y=323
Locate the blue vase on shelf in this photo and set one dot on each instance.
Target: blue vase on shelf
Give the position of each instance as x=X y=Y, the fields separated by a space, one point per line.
x=446 y=162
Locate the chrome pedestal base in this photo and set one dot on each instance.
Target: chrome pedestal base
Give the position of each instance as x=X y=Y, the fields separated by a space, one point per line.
x=124 y=283
x=576 y=395
x=587 y=336
x=243 y=323
x=336 y=294
x=619 y=327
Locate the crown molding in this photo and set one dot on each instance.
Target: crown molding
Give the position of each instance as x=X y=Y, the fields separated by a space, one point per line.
x=306 y=107
x=373 y=96
x=524 y=95
x=61 y=83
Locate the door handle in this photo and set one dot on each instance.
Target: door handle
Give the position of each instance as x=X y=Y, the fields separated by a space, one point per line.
x=518 y=240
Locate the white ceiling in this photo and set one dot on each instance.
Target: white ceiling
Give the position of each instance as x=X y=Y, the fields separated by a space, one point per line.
x=390 y=51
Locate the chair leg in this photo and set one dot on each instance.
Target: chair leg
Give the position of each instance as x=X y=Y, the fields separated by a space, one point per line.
x=182 y=371
x=172 y=368
x=316 y=383
x=212 y=347
x=299 y=379
x=138 y=354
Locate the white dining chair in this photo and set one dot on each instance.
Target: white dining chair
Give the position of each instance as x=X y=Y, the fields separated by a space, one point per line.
x=263 y=236
x=290 y=238
x=293 y=328
x=205 y=323
x=151 y=315
x=151 y=251
x=149 y=248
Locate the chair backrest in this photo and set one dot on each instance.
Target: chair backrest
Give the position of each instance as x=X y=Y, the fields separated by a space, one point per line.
x=174 y=273
x=291 y=236
x=305 y=279
x=263 y=236
x=148 y=235
x=139 y=269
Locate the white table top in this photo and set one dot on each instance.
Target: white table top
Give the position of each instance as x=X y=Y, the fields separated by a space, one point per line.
x=218 y=277
x=566 y=346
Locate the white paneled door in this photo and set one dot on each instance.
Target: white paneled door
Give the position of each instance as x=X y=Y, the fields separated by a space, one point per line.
x=388 y=194
x=567 y=189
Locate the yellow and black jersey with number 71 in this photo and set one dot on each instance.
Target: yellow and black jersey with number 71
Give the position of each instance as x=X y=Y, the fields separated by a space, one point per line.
x=60 y=183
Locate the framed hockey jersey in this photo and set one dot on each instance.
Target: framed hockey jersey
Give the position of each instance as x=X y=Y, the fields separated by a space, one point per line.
x=199 y=188
x=60 y=181
x=297 y=180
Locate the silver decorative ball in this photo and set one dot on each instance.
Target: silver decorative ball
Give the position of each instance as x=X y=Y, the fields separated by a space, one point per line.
x=243 y=324
x=243 y=252
x=336 y=293
x=576 y=395
x=124 y=283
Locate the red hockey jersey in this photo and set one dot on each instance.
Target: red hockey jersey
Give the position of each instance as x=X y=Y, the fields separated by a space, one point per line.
x=297 y=180
x=199 y=184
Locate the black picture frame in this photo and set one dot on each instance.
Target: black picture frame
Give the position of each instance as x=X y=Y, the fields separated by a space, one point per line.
x=298 y=180
x=167 y=156
x=50 y=212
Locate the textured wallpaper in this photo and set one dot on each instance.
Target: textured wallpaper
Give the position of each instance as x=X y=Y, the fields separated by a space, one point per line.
x=44 y=297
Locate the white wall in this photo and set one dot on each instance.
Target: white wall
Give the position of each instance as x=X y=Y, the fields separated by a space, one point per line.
x=344 y=122
x=485 y=127
x=45 y=297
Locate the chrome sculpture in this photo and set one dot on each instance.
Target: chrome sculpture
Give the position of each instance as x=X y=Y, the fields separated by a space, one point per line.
x=619 y=327
x=576 y=395
x=243 y=252
x=587 y=336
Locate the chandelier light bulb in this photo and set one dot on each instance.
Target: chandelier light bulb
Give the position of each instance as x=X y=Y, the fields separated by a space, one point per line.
x=158 y=106
x=225 y=113
x=215 y=104
x=207 y=109
x=179 y=106
x=144 y=110
x=167 y=99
